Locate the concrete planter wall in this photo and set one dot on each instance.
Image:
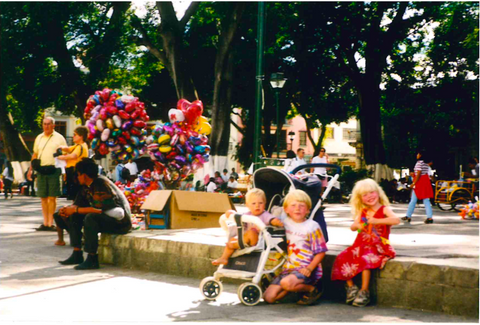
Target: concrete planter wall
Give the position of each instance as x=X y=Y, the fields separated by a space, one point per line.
x=400 y=284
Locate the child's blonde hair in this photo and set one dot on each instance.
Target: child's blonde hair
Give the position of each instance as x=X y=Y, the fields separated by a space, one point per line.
x=255 y=192
x=362 y=187
x=297 y=195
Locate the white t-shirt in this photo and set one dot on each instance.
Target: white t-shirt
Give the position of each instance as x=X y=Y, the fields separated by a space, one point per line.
x=211 y=187
x=132 y=167
x=233 y=184
x=225 y=177
x=298 y=162
x=318 y=160
x=5 y=174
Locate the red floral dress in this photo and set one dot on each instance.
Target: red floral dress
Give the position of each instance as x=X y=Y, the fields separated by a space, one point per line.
x=371 y=250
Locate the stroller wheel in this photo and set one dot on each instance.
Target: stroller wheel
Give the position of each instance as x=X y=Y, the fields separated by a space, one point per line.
x=211 y=288
x=249 y=293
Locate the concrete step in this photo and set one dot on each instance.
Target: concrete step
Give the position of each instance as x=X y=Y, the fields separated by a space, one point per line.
x=407 y=282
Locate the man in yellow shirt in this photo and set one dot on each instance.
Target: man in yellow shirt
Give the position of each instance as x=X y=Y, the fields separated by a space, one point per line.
x=48 y=177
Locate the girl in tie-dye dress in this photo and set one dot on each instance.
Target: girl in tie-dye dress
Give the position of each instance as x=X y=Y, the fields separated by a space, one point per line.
x=371 y=249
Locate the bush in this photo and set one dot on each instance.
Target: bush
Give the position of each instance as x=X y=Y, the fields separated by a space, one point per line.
x=349 y=177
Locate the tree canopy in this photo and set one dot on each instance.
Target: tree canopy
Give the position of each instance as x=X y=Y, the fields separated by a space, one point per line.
x=407 y=70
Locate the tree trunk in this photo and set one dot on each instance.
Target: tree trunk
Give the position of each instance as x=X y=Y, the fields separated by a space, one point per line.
x=370 y=124
x=319 y=144
x=222 y=89
x=171 y=33
x=14 y=146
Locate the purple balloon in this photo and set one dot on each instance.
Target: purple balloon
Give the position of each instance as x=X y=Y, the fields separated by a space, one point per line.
x=127 y=125
x=119 y=104
x=181 y=160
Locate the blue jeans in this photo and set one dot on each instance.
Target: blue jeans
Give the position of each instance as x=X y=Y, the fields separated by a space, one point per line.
x=413 y=201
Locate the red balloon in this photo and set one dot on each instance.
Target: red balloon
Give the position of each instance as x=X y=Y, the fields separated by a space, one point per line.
x=139 y=124
x=126 y=135
x=123 y=115
x=135 y=131
x=183 y=104
x=130 y=107
x=135 y=114
x=112 y=110
x=122 y=140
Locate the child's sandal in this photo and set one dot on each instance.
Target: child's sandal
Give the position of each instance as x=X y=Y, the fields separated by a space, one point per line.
x=310 y=297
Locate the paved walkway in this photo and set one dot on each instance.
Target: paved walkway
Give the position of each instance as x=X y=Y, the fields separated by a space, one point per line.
x=30 y=275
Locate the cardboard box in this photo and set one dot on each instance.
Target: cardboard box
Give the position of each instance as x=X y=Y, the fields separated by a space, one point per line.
x=186 y=209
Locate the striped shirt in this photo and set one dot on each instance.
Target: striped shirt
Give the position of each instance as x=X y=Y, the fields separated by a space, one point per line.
x=422 y=167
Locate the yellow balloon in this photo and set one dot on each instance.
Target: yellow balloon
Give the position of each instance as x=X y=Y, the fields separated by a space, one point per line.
x=205 y=128
x=165 y=149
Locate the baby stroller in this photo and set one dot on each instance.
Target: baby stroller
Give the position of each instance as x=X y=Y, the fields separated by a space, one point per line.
x=249 y=263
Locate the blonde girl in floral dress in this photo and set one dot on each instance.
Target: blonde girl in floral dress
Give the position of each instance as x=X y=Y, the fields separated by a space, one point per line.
x=371 y=249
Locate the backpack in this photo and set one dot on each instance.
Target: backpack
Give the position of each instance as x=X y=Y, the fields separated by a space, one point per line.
x=125 y=174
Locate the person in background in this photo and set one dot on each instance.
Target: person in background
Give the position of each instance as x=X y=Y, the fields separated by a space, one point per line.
x=211 y=187
x=321 y=172
x=8 y=179
x=234 y=174
x=48 y=184
x=299 y=161
x=132 y=167
x=110 y=175
x=118 y=172
x=232 y=183
x=225 y=176
x=30 y=183
x=472 y=171
x=72 y=155
x=422 y=189
x=218 y=179
x=288 y=167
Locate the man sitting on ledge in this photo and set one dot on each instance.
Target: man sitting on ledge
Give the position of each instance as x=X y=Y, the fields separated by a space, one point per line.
x=99 y=207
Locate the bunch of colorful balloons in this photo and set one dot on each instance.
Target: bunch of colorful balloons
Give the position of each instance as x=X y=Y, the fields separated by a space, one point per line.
x=137 y=192
x=469 y=211
x=117 y=124
x=179 y=147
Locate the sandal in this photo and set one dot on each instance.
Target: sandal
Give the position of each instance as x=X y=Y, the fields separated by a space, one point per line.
x=310 y=297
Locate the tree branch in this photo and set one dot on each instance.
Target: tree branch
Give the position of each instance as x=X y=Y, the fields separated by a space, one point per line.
x=145 y=41
x=189 y=13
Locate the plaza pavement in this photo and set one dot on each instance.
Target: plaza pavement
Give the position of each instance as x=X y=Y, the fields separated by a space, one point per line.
x=445 y=254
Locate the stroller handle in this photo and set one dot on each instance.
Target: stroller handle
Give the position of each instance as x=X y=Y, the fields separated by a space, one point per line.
x=296 y=169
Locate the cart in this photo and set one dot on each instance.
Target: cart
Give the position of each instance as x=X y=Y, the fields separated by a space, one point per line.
x=449 y=194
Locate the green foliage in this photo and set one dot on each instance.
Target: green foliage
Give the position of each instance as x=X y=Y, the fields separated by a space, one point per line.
x=349 y=177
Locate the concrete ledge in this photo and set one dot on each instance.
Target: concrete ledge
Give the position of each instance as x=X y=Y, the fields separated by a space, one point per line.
x=401 y=284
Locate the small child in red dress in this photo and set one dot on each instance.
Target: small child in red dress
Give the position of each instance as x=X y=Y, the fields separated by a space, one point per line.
x=371 y=249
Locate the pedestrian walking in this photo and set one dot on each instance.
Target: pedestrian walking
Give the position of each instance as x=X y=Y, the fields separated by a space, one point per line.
x=48 y=176
x=321 y=172
x=8 y=179
x=421 y=189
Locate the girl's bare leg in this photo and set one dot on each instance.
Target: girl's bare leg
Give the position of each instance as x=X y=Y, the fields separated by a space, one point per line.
x=366 y=279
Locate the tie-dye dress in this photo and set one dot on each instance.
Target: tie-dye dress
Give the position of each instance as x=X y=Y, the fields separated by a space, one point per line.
x=305 y=240
x=371 y=250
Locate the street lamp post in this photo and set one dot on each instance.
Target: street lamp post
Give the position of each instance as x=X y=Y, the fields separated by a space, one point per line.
x=291 y=136
x=257 y=138
x=277 y=81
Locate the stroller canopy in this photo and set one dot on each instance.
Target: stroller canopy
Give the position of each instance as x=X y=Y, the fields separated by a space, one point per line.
x=272 y=181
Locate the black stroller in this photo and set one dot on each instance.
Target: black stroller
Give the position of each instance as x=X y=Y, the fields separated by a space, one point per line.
x=277 y=184
x=249 y=263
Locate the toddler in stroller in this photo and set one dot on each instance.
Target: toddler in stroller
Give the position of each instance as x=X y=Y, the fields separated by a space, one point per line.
x=255 y=201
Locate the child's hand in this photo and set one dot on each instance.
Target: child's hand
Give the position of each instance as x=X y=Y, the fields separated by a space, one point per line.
x=229 y=213
x=373 y=221
x=305 y=271
x=276 y=222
